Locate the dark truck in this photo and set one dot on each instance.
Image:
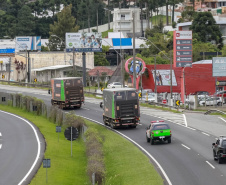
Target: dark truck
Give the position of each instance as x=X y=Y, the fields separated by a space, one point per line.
x=121 y=107
x=67 y=92
x=219 y=149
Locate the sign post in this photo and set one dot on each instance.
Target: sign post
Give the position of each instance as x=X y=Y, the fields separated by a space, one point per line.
x=46 y=164
x=71 y=134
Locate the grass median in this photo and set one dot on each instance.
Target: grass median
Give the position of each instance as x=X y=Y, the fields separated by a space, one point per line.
x=124 y=163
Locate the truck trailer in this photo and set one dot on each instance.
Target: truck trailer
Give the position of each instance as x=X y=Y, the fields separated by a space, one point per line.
x=121 y=107
x=67 y=92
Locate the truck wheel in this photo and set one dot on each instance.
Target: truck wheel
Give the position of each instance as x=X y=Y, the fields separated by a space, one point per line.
x=148 y=139
x=169 y=140
x=152 y=141
x=214 y=155
x=104 y=120
x=112 y=125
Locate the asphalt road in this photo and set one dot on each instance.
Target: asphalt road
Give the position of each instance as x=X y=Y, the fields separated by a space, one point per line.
x=20 y=151
x=188 y=160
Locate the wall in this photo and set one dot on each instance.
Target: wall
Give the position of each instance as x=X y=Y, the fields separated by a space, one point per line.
x=101 y=28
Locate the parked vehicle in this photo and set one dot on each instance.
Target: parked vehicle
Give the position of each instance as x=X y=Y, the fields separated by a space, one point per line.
x=201 y=94
x=211 y=101
x=67 y=92
x=221 y=94
x=158 y=131
x=150 y=97
x=115 y=85
x=219 y=149
x=121 y=107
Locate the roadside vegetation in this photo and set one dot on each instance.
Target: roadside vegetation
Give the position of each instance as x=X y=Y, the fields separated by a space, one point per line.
x=99 y=151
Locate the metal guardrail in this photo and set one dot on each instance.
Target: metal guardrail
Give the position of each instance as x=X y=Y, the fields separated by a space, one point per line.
x=25 y=84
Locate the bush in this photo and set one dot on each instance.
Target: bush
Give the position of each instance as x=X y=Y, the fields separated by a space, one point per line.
x=94 y=151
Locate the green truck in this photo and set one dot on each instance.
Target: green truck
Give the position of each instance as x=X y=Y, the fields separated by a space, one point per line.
x=121 y=107
x=67 y=92
x=158 y=131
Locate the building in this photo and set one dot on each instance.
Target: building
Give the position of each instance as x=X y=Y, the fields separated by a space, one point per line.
x=123 y=20
x=197 y=78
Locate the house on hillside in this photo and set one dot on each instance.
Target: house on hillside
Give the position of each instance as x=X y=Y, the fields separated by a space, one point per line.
x=100 y=74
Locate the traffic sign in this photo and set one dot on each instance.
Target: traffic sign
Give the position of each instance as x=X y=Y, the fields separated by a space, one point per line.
x=140 y=95
x=164 y=101
x=35 y=80
x=178 y=102
x=102 y=89
x=3 y=76
x=71 y=133
x=46 y=163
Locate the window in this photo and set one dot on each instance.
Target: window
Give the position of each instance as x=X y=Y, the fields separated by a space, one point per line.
x=224 y=143
x=161 y=127
x=123 y=16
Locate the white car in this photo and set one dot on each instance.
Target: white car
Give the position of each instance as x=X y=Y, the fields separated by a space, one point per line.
x=211 y=101
x=150 y=97
x=115 y=85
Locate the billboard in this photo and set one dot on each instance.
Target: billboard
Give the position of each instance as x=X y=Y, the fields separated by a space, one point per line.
x=83 y=42
x=219 y=66
x=163 y=77
x=182 y=48
x=28 y=43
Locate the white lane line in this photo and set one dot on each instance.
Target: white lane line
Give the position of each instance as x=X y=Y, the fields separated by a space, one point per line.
x=191 y=128
x=186 y=146
x=222 y=119
x=0 y=134
x=185 y=120
x=38 y=142
x=205 y=134
x=145 y=151
x=210 y=164
x=85 y=108
x=0 y=146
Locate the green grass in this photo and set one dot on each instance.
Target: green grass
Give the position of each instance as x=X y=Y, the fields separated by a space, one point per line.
x=125 y=164
x=105 y=33
x=156 y=19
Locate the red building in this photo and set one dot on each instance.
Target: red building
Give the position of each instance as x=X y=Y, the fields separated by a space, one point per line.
x=197 y=78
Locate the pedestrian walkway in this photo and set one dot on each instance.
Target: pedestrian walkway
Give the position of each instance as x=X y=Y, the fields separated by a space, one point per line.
x=169 y=116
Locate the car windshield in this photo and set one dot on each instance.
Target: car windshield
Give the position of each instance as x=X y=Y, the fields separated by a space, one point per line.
x=161 y=127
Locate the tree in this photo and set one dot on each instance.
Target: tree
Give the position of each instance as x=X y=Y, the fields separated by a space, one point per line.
x=26 y=24
x=100 y=57
x=205 y=29
x=65 y=23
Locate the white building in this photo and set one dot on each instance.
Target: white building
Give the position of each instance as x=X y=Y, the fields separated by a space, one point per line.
x=123 y=20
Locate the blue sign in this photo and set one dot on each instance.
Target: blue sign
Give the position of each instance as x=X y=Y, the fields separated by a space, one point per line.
x=7 y=51
x=122 y=42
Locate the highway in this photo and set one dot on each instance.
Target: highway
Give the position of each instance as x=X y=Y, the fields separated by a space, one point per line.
x=20 y=150
x=188 y=160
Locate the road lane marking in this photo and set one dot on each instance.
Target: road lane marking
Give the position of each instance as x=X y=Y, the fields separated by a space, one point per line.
x=38 y=142
x=210 y=164
x=186 y=146
x=191 y=128
x=205 y=134
x=0 y=146
x=222 y=119
x=0 y=134
x=185 y=120
x=145 y=151
x=85 y=108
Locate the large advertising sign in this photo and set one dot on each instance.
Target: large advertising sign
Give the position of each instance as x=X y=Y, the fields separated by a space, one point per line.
x=219 y=66
x=182 y=48
x=31 y=43
x=83 y=42
x=163 y=77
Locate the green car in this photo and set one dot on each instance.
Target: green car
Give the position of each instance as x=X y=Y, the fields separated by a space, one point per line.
x=158 y=131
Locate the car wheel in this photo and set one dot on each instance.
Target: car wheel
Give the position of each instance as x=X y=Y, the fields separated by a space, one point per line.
x=219 y=159
x=169 y=140
x=152 y=141
x=214 y=156
x=113 y=87
x=219 y=103
x=148 y=139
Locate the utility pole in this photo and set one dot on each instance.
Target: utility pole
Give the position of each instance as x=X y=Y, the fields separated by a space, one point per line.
x=134 y=56
x=73 y=61
x=109 y=15
x=122 y=67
